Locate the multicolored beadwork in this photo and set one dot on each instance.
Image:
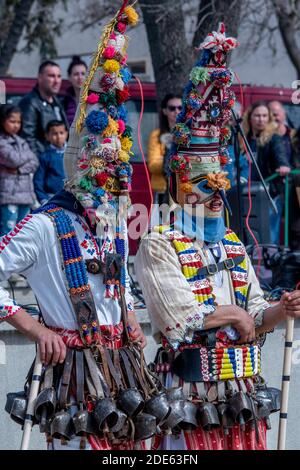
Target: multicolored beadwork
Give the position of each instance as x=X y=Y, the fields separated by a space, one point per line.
x=75 y=268
x=191 y=262
x=227 y=363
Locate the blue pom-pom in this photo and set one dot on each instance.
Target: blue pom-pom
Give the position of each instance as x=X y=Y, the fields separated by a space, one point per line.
x=96 y=122
x=99 y=192
x=122 y=111
x=126 y=75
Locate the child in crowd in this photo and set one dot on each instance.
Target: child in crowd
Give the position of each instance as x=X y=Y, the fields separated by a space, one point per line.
x=17 y=166
x=49 y=179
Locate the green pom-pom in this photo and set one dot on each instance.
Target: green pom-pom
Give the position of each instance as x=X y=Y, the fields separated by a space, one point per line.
x=199 y=75
x=85 y=184
x=108 y=99
x=127 y=132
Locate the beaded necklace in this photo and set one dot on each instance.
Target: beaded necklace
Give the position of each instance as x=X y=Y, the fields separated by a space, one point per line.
x=74 y=264
x=191 y=262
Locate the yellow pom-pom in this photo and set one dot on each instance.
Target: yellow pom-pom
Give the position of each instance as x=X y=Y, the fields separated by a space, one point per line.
x=186 y=187
x=123 y=156
x=126 y=144
x=111 y=66
x=111 y=129
x=132 y=15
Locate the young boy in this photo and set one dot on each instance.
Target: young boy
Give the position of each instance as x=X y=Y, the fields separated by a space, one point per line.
x=49 y=178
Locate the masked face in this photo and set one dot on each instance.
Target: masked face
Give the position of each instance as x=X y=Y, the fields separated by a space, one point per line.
x=201 y=194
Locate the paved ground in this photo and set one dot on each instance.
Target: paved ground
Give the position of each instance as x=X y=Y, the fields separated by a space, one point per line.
x=16 y=355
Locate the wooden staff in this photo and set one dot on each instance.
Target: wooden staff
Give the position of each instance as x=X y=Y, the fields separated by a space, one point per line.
x=287 y=364
x=34 y=390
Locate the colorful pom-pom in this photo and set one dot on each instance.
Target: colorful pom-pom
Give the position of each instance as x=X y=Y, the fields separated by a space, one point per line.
x=127 y=132
x=186 y=187
x=122 y=126
x=109 y=52
x=101 y=178
x=181 y=134
x=121 y=27
x=194 y=100
x=111 y=66
x=122 y=112
x=124 y=60
x=93 y=98
x=126 y=144
x=199 y=75
x=96 y=122
x=89 y=141
x=108 y=99
x=107 y=81
x=131 y=14
x=125 y=74
x=179 y=164
x=111 y=129
x=85 y=184
x=123 y=156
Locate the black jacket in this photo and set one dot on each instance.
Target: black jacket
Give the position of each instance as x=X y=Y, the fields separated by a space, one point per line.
x=269 y=157
x=36 y=113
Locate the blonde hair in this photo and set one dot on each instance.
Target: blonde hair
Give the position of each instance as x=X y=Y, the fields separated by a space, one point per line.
x=270 y=129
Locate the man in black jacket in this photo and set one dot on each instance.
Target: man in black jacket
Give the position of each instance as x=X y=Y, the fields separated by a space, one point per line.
x=41 y=106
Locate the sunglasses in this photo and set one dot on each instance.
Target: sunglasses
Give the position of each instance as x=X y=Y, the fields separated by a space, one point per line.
x=173 y=108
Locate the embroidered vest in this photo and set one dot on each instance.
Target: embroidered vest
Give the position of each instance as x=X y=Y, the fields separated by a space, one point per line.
x=191 y=262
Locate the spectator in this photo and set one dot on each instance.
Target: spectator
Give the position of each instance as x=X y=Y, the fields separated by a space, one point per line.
x=287 y=133
x=268 y=149
x=231 y=166
x=159 y=143
x=17 y=165
x=76 y=73
x=41 y=105
x=49 y=178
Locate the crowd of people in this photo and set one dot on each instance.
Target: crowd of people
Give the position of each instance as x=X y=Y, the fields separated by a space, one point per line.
x=274 y=144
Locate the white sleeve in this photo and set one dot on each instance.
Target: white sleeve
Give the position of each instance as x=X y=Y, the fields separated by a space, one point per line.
x=170 y=301
x=256 y=303
x=19 y=251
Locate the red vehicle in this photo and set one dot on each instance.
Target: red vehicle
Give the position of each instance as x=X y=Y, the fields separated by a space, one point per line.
x=17 y=87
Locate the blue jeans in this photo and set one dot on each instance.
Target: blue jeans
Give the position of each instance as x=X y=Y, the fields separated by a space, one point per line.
x=10 y=215
x=275 y=220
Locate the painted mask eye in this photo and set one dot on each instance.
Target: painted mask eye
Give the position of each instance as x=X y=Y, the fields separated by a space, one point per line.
x=202 y=186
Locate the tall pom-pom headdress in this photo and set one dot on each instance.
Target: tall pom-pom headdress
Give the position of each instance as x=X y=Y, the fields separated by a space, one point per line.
x=200 y=135
x=97 y=157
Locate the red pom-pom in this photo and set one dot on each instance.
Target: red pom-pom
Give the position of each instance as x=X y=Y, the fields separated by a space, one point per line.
x=223 y=160
x=92 y=98
x=109 y=52
x=101 y=179
x=122 y=95
x=121 y=27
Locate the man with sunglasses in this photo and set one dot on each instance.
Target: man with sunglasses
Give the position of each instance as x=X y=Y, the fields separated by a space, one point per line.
x=206 y=306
